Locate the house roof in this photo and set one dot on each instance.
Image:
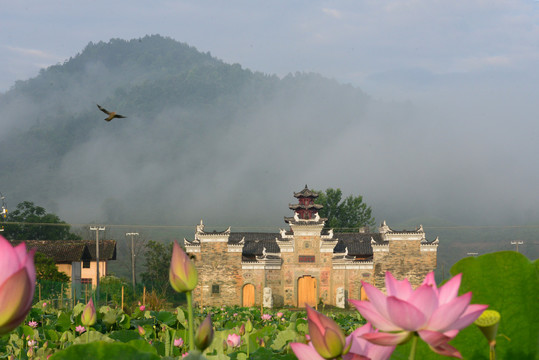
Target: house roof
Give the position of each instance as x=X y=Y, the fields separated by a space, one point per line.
x=107 y=249
x=358 y=244
x=355 y=245
x=68 y=251
x=301 y=206
x=306 y=193
x=255 y=242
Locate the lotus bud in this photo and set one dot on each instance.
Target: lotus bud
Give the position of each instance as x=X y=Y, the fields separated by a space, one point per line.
x=89 y=315
x=488 y=323
x=248 y=326
x=326 y=336
x=182 y=274
x=141 y=331
x=64 y=337
x=204 y=335
x=242 y=330
x=17 y=284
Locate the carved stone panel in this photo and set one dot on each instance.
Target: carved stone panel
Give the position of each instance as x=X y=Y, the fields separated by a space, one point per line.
x=268 y=298
x=341 y=298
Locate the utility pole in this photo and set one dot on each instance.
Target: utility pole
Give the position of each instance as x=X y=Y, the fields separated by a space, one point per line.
x=517 y=243
x=3 y=214
x=132 y=258
x=96 y=229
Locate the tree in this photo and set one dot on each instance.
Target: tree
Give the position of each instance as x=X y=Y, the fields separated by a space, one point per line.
x=49 y=278
x=158 y=257
x=46 y=269
x=47 y=226
x=344 y=215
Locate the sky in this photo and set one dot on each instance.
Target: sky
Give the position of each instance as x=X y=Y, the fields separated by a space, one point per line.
x=384 y=47
x=468 y=67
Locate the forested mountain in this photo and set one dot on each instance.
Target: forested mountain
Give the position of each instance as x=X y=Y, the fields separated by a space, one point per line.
x=194 y=126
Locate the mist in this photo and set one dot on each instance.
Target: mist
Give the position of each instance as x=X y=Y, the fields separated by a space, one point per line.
x=454 y=148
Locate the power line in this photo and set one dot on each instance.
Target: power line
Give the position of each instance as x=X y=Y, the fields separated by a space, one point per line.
x=148 y=226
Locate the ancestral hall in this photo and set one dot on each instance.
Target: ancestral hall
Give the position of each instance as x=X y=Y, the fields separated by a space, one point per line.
x=304 y=264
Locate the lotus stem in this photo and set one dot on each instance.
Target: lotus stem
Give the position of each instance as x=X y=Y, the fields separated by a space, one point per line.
x=189 y=296
x=492 y=352
x=414 y=348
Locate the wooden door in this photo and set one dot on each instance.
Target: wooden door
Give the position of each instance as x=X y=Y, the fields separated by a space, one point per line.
x=306 y=291
x=363 y=294
x=249 y=295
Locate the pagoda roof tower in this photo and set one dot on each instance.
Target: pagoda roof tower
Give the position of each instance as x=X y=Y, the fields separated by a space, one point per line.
x=306 y=209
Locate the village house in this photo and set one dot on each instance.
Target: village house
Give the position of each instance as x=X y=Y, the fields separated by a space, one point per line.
x=304 y=264
x=77 y=258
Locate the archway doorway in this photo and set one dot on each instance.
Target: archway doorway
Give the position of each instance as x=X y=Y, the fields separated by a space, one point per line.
x=248 y=295
x=362 y=294
x=306 y=291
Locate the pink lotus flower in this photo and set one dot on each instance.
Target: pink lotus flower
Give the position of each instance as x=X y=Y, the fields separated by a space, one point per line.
x=436 y=315
x=142 y=308
x=360 y=348
x=178 y=342
x=80 y=329
x=182 y=273
x=17 y=284
x=32 y=324
x=233 y=340
x=266 y=317
x=89 y=316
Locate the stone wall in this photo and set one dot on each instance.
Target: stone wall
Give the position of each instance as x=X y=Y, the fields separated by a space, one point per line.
x=218 y=264
x=218 y=267
x=404 y=259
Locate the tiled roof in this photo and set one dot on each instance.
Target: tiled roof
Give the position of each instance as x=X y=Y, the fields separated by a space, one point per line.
x=255 y=242
x=107 y=249
x=306 y=193
x=358 y=244
x=63 y=251
x=301 y=206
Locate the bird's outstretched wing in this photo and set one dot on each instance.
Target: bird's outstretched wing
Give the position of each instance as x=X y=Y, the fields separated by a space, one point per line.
x=103 y=109
x=119 y=116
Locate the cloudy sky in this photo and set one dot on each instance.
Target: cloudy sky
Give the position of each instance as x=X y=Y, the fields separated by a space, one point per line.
x=469 y=67
x=381 y=46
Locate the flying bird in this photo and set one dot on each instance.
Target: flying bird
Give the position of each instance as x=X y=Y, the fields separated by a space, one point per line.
x=111 y=114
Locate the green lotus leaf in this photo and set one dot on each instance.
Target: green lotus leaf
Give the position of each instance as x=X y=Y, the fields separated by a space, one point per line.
x=103 y=351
